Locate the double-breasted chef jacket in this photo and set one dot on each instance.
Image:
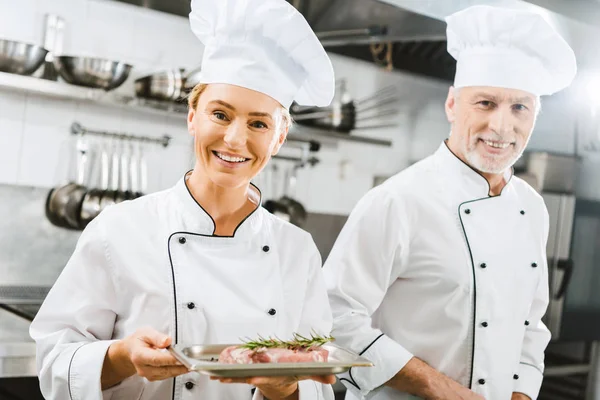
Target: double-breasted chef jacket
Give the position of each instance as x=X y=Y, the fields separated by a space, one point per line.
x=155 y=262
x=429 y=265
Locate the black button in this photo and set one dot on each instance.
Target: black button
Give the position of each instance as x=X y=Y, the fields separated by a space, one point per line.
x=468 y=211
x=189 y=385
x=483 y=265
x=191 y=305
x=182 y=240
x=272 y=311
x=484 y=324
x=266 y=248
x=481 y=381
x=515 y=376
x=522 y=212
x=526 y=323
x=534 y=265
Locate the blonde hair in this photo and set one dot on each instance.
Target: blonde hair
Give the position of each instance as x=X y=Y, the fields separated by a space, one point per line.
x=194 y=97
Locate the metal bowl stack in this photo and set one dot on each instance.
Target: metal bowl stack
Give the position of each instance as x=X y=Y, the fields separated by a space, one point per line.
x=92 y=72
x=20 y=58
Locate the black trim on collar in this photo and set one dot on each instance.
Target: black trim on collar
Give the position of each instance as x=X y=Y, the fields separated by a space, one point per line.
x=210 y=216
x=479 y=173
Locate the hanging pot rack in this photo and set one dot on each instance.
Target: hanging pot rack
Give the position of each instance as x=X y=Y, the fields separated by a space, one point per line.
x=78 y=129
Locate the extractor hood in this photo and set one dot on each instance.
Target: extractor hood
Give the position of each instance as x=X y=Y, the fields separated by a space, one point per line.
x=414 y=35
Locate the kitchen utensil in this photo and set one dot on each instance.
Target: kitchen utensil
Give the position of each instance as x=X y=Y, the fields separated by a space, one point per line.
x=134 y=170
x=164 y=85
x=92 y=72
x=117 y=174
x=143 y=172
x=191 y=79
x=385 y=91
x=109 y=196
x=72 y=210
x=53 y=42
x=125 y=178
x=20 y=58
x=287 y=207
x=204 y=359
x=57 y=202
x=91 y=205
x=378 y=114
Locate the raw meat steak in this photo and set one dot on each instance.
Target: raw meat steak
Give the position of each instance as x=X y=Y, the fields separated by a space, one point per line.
x=240 y=355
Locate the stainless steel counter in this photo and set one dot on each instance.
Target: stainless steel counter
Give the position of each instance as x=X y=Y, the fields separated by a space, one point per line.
x=17 y=360
x=17 y=350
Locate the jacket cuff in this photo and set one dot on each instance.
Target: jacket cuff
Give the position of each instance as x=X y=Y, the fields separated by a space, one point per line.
x=85 y=370
x=388 y=357
x=528 y=381
x=307 y=390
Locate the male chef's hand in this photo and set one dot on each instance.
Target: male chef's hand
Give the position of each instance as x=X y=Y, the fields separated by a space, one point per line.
x=280 y=387
x=420 y=379
x=141 y=353
x=519 y=396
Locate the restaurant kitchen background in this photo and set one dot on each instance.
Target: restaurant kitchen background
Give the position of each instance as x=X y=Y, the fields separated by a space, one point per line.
x=393 y=74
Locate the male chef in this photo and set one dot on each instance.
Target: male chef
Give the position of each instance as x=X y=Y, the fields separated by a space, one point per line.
x=439 y=277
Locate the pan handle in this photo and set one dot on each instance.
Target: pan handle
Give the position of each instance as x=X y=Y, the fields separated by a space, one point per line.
x=567 y=266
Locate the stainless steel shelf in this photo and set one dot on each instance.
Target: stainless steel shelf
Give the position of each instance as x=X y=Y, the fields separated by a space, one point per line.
x=63 y=90
x=303 y=133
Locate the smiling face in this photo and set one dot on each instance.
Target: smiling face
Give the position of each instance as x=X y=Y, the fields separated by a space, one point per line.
x=490 y=126
x=236 y=132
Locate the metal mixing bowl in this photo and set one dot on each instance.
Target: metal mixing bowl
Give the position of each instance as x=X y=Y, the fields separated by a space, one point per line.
x=164 y=85
x=20 y=58
x=92 y=72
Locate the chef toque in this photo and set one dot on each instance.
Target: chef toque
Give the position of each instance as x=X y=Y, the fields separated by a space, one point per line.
x=263 y=45
x=508 y=48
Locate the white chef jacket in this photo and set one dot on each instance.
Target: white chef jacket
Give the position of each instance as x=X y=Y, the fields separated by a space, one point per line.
x=155 y=262
x=429 y=265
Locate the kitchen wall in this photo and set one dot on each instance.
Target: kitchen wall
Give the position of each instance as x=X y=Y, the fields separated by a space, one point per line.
x=34 y=131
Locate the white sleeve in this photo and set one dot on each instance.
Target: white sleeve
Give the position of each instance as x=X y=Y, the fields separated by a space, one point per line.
x=74 y=326
x=307 y=390
x=367 y=257
x=537 y=336
x=316 y=315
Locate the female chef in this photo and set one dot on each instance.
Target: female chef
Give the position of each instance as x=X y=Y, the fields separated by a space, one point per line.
x=201 y=262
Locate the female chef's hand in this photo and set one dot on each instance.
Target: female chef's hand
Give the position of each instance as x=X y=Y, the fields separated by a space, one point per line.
x=141 y=353
x=277 y=387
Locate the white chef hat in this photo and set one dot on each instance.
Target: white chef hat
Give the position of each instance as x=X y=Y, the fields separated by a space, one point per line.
x=263 y=45
x=509 y=48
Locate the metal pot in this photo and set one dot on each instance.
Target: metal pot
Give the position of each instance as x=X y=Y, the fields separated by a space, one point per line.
x=165 y=85
x=62 y=203
x=192 y=78
x=286 y=207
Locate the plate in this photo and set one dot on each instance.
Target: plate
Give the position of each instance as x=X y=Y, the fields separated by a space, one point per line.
x=204 y=359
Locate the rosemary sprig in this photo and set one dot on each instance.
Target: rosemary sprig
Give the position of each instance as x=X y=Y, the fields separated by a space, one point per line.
x=298 y=342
